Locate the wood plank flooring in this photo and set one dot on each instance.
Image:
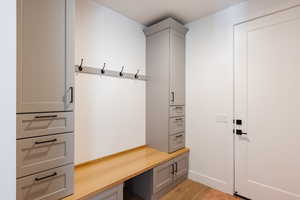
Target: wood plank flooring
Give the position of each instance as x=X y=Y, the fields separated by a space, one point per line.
x=190 y=190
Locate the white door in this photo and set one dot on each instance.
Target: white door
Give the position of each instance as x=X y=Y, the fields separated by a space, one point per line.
x=267 y=100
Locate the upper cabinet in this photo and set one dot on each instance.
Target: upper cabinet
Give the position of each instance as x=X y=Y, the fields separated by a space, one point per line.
x=45 y=56
x=177 y=68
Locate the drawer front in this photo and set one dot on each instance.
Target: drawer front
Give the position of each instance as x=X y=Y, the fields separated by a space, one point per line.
x=42 y=153
x=176 y=111
x=32 y=125
x=176 y=142
x=176 y=125
x=115 y=193
x=50 y=185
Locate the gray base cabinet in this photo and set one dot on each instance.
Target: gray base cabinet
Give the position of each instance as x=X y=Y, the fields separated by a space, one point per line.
x=115 y=193
x=157 y=182
x=165 y=87
x=166 y=175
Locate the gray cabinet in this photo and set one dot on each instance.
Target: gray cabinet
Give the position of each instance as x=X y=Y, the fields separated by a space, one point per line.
x=115 y=193
x=165 y=87
x=39 y=124
x=163 y=176
x=169 y=174
x=53 y=184
x=45 y=99
x=181 y=166
x=42 y=153
x=45 y=56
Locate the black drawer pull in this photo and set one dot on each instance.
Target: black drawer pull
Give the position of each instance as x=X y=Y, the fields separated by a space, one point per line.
x=179 y=119
x=45 y=116
x=178 y=136
x=48 y=141
x=45 y=177
x=176 y=167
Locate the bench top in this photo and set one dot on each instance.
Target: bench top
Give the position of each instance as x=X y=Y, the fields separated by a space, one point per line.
x=96 y=176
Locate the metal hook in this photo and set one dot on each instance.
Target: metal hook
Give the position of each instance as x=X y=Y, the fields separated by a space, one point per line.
x=136 y=76
x=103 y=68
x=121 y=72
x=80 y=66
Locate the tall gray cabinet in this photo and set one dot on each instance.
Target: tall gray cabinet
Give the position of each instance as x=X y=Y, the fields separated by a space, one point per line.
x=165 y=87
x=45 y=99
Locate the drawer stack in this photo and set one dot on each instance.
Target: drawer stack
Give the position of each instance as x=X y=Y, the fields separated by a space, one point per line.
x=176 y=128
x=45 y=155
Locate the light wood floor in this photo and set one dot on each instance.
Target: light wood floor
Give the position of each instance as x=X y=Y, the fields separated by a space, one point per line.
x=190 y=190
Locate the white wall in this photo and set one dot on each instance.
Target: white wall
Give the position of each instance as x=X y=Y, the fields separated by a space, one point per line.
x=110 y=112
x=8 y=100
x=210 y=90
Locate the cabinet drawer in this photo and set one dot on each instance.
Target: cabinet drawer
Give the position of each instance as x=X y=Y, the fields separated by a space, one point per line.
x=176 y=111
x=42 y=153
x=49 y=185
x=115 y=193
x=31 y=125
x=176 y=142
x=176 y=125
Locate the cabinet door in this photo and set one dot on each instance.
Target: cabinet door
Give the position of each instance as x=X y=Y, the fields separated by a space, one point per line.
x=177 y=69
x=115 y=193
x=162 y=176
x=45 y=55
x=181 y=166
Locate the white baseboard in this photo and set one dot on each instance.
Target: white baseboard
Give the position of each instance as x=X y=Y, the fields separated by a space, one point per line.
x=211 y=182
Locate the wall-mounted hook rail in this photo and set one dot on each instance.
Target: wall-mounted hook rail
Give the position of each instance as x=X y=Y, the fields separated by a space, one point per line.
x=105 y=72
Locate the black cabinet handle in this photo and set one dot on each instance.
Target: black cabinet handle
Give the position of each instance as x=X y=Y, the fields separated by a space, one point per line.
x=72 y=94
x=48 y=141
x=45 y=177
x=172 y=96
x=176 y=167
x=178 y=136
x=45 y=116
x=173 y=170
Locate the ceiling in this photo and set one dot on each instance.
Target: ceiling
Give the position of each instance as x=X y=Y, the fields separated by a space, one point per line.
x=148 y=12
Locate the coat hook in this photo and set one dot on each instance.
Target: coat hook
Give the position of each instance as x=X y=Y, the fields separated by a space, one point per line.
x=121 y=72
x=103 y=68
x=80 y=67
x=136 y=76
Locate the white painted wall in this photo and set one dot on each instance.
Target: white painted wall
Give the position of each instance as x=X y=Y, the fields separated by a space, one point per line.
x=8 y=100
x=210 y=90
x=110 y=112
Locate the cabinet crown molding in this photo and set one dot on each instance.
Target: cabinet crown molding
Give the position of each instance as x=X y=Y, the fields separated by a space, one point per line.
x=168 y=23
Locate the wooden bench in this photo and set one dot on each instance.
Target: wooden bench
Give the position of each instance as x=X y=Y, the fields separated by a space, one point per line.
x=95 y=177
